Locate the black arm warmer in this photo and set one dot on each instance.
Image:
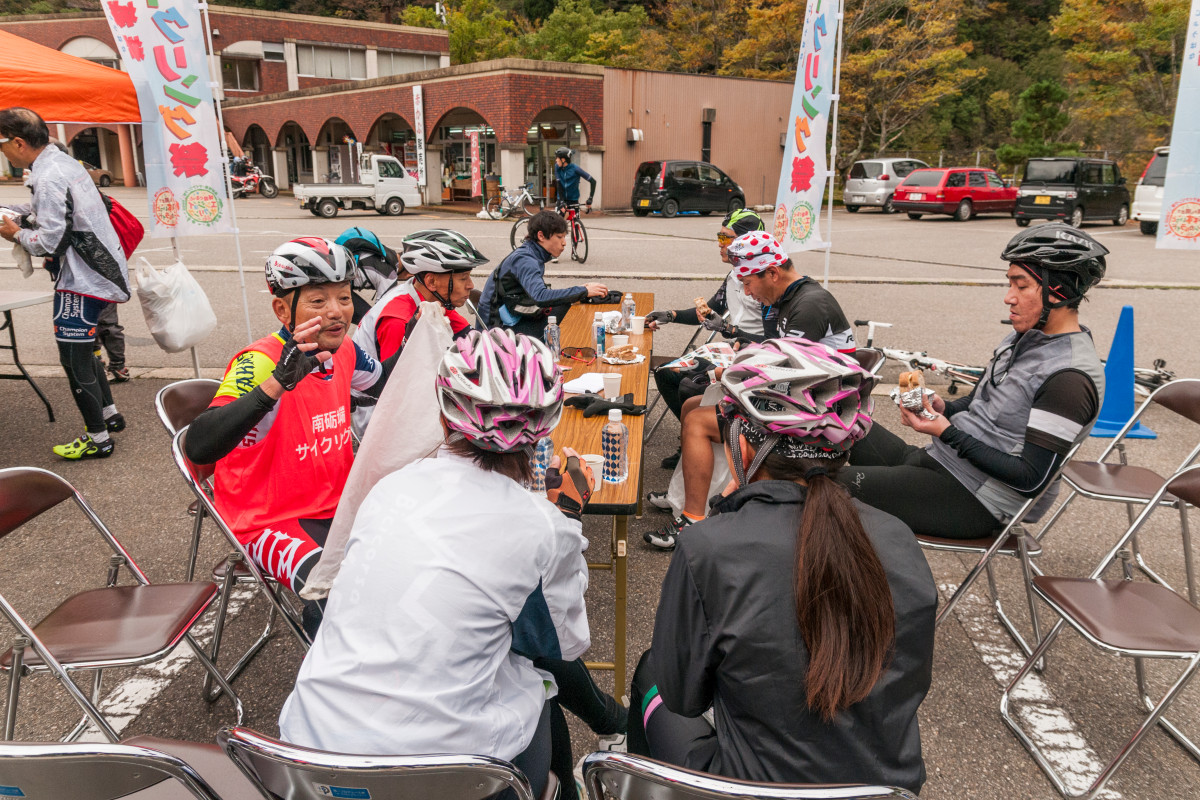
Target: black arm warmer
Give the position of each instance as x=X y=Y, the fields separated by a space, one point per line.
x=218 y=430
x=592 y=194
x=1026 y=474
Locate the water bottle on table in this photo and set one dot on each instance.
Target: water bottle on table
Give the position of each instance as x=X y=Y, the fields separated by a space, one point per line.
x=543 y=452
x=553 y=337
x=628 y=309
x=614 y=443
x=598 y=333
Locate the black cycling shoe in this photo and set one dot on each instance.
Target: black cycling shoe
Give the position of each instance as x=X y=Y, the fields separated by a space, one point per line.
x=671 y=461
x=115 y=423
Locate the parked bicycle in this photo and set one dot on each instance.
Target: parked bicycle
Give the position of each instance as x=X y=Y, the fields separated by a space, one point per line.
x=1145 y=380
x=575 y=231
x=507 y=203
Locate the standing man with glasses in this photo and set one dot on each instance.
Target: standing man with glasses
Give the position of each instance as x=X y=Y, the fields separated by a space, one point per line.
x=67 y=223
x=1000 y=445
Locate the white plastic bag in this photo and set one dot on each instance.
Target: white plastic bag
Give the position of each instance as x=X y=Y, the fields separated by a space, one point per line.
x=176 y=309
x=406 y=426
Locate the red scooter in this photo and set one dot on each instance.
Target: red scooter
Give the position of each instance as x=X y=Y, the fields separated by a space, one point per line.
x=254 y=182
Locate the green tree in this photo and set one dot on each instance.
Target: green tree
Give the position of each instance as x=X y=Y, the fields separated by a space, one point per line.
x=479 y=30
x=578 y=31
x=696 y=34
x=1123 y=62
x=1040 y=128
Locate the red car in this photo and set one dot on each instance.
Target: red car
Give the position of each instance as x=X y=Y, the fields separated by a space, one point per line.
x=961 y=192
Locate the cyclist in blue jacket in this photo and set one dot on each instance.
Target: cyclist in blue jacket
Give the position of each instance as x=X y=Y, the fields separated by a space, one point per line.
x=567 y=175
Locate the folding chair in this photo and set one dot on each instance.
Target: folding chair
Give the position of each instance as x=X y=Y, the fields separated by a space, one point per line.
x=197 y=477
x=1124 y=618
x=142 y=768
x=870 y=359
x=116 y=626
x=1132 y=485
x=1012 y=540
x=283 y=771
x=620 y=776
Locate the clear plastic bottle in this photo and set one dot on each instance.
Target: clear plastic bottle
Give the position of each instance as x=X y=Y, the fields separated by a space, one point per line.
x=614 y=443
x=628 y=309
x=553 y=337
x=598 y=333
x=543 y=452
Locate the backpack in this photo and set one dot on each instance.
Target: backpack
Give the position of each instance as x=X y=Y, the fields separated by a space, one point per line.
x=128 y=229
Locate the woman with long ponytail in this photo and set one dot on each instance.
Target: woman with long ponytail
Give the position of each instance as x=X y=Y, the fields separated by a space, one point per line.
x=794 y=636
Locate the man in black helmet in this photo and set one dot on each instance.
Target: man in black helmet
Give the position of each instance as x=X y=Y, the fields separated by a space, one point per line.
x=999 y=445
x=567 y=176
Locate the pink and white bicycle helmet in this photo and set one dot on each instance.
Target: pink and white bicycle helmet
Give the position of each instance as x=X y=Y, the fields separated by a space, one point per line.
x=501 y=391
x=803 y=398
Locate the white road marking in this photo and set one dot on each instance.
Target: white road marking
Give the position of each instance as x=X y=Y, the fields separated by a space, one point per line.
x=125 y=702
x=1049 y=726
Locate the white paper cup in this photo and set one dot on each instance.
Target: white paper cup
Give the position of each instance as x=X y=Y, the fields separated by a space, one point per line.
x=597 y=464
x=612 y=385
x=619 y=340
x=637 y=325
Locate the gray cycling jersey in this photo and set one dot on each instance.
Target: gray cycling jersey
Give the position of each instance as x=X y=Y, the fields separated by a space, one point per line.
x=1001 y=410
x=72 y=224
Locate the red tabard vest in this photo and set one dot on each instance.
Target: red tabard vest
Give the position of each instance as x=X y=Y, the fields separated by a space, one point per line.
x=298 y=469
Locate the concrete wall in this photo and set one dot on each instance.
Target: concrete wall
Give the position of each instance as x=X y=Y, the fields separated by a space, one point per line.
x=668 y=108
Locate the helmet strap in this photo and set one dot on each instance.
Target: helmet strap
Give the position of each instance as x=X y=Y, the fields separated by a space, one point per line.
x=744 y=474
x=291 y=326
x=446 y=304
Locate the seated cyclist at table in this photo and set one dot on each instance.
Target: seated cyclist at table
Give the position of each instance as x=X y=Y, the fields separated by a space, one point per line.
x=461 y=592
x=1001 y=444
x=793 y=641
x=279 y=426
x=516 y=296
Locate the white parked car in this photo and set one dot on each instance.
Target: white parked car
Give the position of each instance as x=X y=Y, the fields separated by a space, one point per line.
x=872 y=181
x=1147 y=196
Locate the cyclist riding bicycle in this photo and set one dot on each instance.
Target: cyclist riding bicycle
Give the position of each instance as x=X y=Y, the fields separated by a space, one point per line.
x=1000 y=445
x=567 y=175
x=279 y=426
x=494 y=579
x=793 y=641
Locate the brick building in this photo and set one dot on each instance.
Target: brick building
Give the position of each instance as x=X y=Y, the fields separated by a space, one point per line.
x=303 y=94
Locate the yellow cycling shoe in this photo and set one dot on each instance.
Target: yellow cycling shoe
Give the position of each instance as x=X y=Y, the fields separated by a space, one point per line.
x=84 y=447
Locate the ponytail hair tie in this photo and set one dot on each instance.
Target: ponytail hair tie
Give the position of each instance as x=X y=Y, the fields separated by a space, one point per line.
x=814 y=472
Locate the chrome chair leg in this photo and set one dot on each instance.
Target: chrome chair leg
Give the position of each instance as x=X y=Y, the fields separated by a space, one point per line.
x=1188 y=565
x=217 y=676
x=197 y=527
x=231 y=565
x=82 y=725
x=14 y=685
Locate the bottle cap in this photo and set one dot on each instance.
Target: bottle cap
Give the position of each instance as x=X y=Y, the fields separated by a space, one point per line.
x=614 y=415
x=551 y=320
x=599 y=315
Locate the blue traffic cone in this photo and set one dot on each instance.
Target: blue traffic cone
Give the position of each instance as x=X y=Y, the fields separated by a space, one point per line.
x=1118 y=404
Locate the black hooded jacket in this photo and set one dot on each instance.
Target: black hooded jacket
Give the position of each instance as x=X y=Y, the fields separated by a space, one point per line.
x=726 y=636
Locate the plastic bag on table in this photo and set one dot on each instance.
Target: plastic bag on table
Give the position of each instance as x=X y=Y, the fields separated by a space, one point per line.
x=406 y=426
x=176 y=309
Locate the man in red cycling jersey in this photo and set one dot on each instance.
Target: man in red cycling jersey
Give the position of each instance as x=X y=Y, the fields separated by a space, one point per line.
x=279 y=426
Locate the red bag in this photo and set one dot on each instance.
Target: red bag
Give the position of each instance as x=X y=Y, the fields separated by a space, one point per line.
x=128 y=229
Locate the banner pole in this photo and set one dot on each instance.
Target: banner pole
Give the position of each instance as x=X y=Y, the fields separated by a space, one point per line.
x=237 y=239
x=836 y=99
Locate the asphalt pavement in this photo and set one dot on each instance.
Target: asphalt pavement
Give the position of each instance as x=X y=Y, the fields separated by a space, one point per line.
x=937 y=281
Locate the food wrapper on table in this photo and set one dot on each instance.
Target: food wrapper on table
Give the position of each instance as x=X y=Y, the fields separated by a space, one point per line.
x=911 y=393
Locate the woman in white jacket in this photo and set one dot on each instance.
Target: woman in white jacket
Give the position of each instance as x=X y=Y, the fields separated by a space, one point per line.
x=455 y=579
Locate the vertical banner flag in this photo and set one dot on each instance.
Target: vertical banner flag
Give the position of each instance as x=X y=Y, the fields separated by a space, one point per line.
x=476 y=188
x=805 y=158
x=1179 y=221
x=162 y=45
x=419 y=130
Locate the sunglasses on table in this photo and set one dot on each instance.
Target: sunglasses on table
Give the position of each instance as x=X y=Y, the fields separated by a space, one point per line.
x=585 y=354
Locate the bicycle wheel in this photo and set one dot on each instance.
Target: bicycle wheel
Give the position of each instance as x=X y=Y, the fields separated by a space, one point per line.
x=530 y=205
x=520 y=230
x=579 y=244
x=495 y=207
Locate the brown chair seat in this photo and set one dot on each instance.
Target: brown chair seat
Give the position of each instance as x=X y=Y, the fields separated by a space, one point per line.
x=207 y=759
x=1123 y=480
x=122 y=623
x=1126 y=614
x=241 y=572
x=1010 y=543
x=658 y=361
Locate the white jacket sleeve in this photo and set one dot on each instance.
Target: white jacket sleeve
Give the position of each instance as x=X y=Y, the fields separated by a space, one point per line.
x=553 y=622
x=53 y=226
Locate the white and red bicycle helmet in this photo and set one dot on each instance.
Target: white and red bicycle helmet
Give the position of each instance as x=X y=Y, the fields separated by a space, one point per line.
x=307 y=260
x=751 y=253
x=797 y=397
x=500 y=391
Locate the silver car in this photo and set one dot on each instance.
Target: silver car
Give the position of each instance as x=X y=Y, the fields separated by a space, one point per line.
x=872 y=181
x=1147 y=196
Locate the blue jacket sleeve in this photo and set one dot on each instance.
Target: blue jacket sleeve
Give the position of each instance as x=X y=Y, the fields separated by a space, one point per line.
x=529 y=272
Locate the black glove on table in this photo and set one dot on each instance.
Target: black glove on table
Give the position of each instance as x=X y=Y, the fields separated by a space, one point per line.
x=594 y=404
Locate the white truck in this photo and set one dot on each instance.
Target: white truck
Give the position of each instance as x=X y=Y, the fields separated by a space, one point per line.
x=386 y=187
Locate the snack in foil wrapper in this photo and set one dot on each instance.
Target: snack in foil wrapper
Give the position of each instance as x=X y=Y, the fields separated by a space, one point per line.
x=911 y=393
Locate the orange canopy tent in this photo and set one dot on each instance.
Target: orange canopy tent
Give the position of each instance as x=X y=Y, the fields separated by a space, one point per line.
x=63 y=88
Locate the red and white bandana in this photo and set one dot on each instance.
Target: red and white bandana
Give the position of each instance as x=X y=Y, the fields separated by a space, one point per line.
x=753 y=252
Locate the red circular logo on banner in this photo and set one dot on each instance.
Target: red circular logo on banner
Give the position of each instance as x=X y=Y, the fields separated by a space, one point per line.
x=166 y=208
x=1183 y=220
x=781 y=222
